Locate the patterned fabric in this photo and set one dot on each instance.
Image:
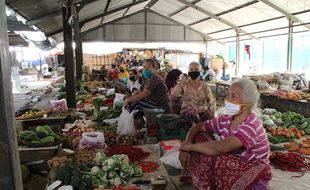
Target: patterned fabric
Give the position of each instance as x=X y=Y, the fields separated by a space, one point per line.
x=250 y=132
x=225 y=172
x=158 y=91
x=199 y=99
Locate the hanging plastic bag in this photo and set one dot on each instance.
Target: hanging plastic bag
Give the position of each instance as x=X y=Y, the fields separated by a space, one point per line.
x=119 y=99
x=125 y=125
x=171 y=157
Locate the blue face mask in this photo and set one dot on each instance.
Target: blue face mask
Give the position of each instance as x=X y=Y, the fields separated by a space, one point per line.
x=147 y=73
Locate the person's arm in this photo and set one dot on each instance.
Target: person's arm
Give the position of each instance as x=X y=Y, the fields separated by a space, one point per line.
x=139 y=96
x=209 y=95
x=193 y=132
x=177 y=91
x=213 y=148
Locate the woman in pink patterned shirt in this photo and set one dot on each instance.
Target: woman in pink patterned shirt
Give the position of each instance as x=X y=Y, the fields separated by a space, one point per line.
x=238 y=156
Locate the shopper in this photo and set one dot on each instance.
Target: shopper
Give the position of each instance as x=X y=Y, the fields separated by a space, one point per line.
x=239 y=155
x=154 y=93
x=197 y=99
x=171 y=81
x=208 y=74
x=133 y=82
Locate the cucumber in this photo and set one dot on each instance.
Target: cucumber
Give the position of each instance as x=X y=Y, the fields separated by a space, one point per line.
x=287 y=124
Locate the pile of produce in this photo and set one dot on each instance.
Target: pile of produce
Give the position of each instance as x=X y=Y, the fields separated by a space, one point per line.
x=134 y=153
x=306 y=95
x=80 y=124
x=303 y=147
x=290 y=161
x=57 y=162
x=41 y=136
x=112 y=139
x=85 y=108
x=112 y=112
x=32 y=114
x=273 y=118
x=97 y=102
x=281 y=134
x=107 y=128
x=83 y=156
x=81 y=88
x=102 y=172
x=148 y=166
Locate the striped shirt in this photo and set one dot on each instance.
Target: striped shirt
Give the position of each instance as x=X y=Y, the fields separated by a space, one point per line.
x=250 y=132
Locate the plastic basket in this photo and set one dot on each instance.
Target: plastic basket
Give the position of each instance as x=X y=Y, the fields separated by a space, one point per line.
x=167 y=121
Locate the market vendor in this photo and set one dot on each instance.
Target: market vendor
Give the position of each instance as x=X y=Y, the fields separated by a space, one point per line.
x=238 y=155
x=197 y=98
x=171 y=81
x=123 y=73
x=208 y=74
x=154 y=93
x=133 y=83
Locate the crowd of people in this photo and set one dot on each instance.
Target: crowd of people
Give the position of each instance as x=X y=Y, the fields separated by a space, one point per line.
x=229 y=151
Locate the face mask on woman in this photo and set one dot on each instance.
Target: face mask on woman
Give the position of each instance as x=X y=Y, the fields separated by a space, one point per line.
x=194 y=74
x=231 y=108
x=147 y=73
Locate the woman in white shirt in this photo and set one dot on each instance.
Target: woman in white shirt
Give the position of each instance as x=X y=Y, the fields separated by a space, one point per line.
x=133 y=83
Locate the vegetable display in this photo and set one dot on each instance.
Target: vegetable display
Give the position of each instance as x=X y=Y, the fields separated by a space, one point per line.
x=32 y=114
x=112 y=139
x=42 y=135
x=134 y=153
x=303 y=147
x=290 y=161
x=97 y=101
x=148 y=166
x=102 y=172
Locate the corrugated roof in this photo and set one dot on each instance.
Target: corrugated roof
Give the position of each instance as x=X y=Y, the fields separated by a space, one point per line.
x=214 y=18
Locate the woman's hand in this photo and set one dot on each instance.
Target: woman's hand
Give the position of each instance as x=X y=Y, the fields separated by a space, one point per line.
x=185 y=154
x=125 y=103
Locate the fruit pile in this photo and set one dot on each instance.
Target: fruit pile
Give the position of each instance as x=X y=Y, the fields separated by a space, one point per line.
x=32 y=114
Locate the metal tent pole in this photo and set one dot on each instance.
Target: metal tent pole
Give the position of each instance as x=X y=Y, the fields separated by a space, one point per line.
x=289 y=45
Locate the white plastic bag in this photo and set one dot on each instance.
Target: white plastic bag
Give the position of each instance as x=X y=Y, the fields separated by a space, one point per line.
x=119 y=99
x=125 y=125
x=59 y=105
x=171 y=157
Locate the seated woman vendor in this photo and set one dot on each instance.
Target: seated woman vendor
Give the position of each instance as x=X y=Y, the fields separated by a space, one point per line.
x=238 y=156
x=154 y=93
x=196 y=95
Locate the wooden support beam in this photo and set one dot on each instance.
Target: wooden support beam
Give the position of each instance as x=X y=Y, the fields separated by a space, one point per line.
x=78 y=48
x=68 y=52
x=10 y=175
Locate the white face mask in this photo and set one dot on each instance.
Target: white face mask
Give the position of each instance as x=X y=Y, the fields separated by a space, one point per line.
x=231 y=108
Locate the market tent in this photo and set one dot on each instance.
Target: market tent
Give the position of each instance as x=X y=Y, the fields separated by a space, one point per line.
x=217 y=20
x=152 y=25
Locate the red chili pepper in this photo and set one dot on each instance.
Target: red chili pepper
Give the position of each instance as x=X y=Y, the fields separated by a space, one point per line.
x=134 y=153
x=290 y=161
